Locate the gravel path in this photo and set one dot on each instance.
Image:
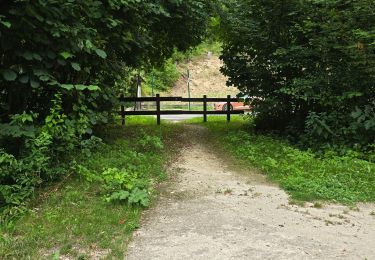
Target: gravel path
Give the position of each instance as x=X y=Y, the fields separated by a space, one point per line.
x=208 y=211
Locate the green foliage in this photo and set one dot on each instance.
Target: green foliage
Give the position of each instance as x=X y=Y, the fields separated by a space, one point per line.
x=66 y=218
x=61 y=68
x=72 y=223
x=19 y=178
x=51 y=46
x=165 y=76
x=162 y=78
x=339 y=131
x=305 y=176
x=308 y=62
x=150 y=143
x=131 y=182
x=122 y=185
x=42 y=154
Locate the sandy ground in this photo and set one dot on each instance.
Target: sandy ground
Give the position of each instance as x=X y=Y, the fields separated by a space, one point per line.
x=210 y=211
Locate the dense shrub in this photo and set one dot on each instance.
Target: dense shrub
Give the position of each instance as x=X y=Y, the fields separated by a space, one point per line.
x=131 y=180
x=164 y=77
x=61 y=68
x=311 y=63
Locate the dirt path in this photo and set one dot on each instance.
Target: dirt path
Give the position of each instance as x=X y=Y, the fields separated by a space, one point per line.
x=208 y=211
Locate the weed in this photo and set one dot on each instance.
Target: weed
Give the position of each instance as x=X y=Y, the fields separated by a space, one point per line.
x=69 y=220
x=227 y=191
x=354 y=208
x=296 y=202
x=318 y=205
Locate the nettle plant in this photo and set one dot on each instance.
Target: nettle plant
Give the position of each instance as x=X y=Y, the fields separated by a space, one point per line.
x=120 y=185
x=125 y=185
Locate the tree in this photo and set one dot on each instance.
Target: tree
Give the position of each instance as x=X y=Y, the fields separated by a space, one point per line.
x=310 y=63
x=66 y=46
x=61 y=63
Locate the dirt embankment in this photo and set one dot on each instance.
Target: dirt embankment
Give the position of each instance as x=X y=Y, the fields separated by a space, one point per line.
x=205 y=79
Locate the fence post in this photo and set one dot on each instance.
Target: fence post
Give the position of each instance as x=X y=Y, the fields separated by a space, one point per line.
x=228 y=108
x=158 y=108
x=204 y=108
x=188 y=85
x=122 y=110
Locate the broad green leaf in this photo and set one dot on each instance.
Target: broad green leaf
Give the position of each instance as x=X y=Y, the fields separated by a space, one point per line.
x=36 y=56
x=93 y=88
x=67 y=86
x=27 y=55
x=76 y=66
x=89 y=44
x=101 y=53
x=9 y=75
x=34 y=83
x=80 y=87
x=51 y=55
x=61 y=62
x=66 y=55
x=53 y=83
x=44 y=78
x=89 y=131
x=6 y=24
x=40 y=72
x=24 y=79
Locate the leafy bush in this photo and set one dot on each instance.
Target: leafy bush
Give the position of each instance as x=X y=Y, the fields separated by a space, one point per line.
x=118 y=185
x=131 y=180
x=61 y=66
x=164 y=77
x=122 y=185
x=42 y=154
x=309 y=62
x=20 y=177
x=76 y=206
x=150 y=143
x=335 y=129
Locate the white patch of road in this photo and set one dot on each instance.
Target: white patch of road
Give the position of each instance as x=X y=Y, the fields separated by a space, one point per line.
x=208 y=211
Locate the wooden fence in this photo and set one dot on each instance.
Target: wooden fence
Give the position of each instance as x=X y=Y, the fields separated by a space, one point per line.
x=158 y=112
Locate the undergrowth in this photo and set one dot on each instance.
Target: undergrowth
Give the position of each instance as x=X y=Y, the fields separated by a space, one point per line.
x=303 y=174
x=92 y=213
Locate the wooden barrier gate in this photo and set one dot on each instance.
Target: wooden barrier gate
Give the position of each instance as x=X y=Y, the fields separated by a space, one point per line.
x=158 y=112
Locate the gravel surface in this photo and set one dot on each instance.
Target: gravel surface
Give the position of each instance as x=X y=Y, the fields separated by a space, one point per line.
x=210 y=211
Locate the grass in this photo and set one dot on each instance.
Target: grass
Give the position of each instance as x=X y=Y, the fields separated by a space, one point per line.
x=302 y=174
x=180 y=106
x=72 y=219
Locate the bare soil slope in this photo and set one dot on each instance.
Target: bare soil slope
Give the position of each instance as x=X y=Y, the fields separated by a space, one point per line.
x=205 y=78
x=209 y=211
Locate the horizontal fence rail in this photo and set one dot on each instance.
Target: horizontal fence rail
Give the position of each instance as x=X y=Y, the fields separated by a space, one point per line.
x=158 y=112
x=181 y=99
